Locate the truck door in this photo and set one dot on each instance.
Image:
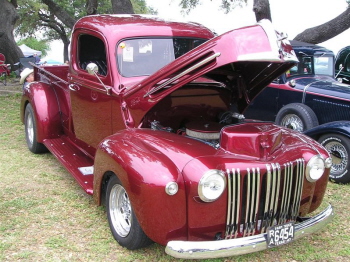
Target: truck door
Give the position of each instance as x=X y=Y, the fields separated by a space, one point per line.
x=91 y=105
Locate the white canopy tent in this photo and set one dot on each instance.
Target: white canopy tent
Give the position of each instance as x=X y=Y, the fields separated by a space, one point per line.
x=27 y=51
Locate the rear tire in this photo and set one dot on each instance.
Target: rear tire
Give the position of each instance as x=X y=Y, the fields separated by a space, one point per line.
x=121 y=218
x=297 y=116
x=31 y=131
x=338 y=147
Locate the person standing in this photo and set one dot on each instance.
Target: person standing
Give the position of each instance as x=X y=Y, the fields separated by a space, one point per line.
x=37 y=59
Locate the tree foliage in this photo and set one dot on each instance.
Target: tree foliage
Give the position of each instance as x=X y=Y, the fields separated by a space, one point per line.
x=55 y=19
x=36 y=44
x=225 y=5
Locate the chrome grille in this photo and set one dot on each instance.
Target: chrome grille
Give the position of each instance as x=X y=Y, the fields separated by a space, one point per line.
x=257 y=201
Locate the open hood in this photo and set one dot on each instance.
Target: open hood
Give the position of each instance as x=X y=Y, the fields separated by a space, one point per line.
x=245 y=60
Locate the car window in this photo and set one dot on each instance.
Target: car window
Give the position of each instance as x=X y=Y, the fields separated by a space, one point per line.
x=92 y=50
x=141 y=57
x=343 y=59
x=324 y=65
x=305 y=66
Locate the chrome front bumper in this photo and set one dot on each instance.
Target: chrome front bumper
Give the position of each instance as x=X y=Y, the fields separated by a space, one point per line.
x=240 y=246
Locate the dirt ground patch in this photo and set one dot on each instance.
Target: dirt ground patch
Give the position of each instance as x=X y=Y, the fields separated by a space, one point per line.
x=12 y=87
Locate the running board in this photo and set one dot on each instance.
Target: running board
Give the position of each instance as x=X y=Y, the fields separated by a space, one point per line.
x=78 y=164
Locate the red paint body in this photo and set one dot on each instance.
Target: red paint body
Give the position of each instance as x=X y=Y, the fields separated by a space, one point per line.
x=83 y=125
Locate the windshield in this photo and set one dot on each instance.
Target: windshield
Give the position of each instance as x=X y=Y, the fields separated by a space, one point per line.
x=313 y=65
x=142 y=57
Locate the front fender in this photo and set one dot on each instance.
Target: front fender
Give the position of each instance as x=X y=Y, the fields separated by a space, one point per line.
x=337 y=127
x=144 y=172
x=44 y=102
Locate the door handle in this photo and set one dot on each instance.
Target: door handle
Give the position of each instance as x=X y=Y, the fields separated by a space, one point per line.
x=74 y=87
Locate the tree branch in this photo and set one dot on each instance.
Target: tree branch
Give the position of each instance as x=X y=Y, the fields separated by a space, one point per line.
x=321 y=33
x=60 y=13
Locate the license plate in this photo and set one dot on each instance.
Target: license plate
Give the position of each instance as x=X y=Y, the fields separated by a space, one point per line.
x=280 y=234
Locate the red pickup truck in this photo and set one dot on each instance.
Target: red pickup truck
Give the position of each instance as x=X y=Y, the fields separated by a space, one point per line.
x=147 y=119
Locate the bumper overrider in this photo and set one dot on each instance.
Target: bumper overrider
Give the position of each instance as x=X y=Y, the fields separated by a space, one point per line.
x=240 y=246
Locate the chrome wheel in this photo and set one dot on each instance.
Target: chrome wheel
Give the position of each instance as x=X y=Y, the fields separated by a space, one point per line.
x=30 y=129
x=120 y=210
x=339 y=156
x=338 y=147
x=292 y=121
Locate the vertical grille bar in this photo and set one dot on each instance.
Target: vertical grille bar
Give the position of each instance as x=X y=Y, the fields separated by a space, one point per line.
x=278 y=186
x=286 y=189
x=267 y=197
x=234 y=200
x=298 y=188
x=230 y=205
x=248 y=202
x=238 y=201
x=257 y=199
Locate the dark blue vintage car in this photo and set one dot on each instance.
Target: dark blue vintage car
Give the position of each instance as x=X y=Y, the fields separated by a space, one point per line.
x=308 y=98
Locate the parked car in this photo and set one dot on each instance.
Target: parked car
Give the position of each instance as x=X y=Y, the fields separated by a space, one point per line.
x=342 y=65
x=144 y=119
x=306 y=96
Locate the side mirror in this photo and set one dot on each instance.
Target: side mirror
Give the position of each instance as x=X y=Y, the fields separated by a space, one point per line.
x=92 y=69
x=341 y=67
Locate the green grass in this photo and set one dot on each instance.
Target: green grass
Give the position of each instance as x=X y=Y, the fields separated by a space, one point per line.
x=45 y=216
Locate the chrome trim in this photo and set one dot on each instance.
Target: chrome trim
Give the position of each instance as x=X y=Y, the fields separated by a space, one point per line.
x=199 y=64
x=240 y=246
x=257 y=200
x=234 y=197
x=306 y=88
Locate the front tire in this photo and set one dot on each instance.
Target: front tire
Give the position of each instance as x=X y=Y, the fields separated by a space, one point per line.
x=338 y=147
x=297 y=116
x=30 y=126
x=121 y=217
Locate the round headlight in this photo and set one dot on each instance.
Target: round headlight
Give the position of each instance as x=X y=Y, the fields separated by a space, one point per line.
x=315 y=168
x=211 y=185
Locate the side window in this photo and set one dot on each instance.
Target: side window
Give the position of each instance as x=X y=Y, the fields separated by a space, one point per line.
x=92 y=50
x=347 y=63
x=343 y=59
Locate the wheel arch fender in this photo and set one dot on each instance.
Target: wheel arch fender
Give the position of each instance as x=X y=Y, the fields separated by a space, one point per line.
x=337 y=127
x=144 y=172
x=43 y=99
x=335 y=137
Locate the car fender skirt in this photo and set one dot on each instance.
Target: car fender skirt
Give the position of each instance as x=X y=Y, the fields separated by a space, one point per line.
x=245 y=245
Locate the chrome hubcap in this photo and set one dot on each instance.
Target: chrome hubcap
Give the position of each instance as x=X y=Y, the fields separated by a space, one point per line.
x=339 y=156
x=120 y=210
x=30 y=129
x=292 y=121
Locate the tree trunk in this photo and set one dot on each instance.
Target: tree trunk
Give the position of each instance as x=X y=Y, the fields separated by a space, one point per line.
x=91 y=7
x=60 y=13
x=122 y=7
x=326 y=31
x=8 y=46
x=261 y=9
